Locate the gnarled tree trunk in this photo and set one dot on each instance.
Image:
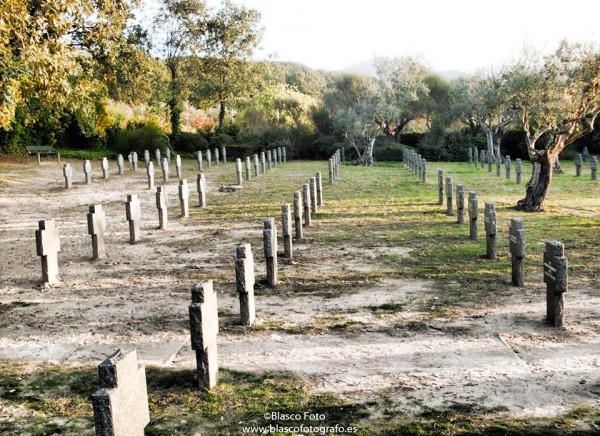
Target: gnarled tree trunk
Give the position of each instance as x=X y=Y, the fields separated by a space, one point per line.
x=367 y=154
x=538 y=185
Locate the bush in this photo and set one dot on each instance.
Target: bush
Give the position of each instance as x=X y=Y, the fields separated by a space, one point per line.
x=86 y=154
x=386 y=150
x=187 y=142
x=222 y=139
x=136 y=138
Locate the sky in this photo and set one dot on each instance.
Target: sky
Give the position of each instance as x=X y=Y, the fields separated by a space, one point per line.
x=459 y=35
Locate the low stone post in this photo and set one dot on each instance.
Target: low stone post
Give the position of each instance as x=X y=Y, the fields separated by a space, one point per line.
x=517 y=251
x=578 y=165
x=201 y=186
x=168 y=154
x=278 y=152
x=498 y=166
x=519 y=170
x=440 y=187
x=331 y=172
x=157 y=157
x=256 y=165
x=133 y=211
x=489 y=217
x=473 y=215
x=224 y=154
x=47 y=241
x=162 y=206
x=248 y=168
x=460 y=204
x=68 y=173
x=105 y=168
x=298 y=215
x=238 y=170
x=217 y=157
x=96 y=221
x=150 y=174
x=507 y=165
x=269 y=159
x=204 y=327
x=121 y=164
x=274 y=157
x=87 y=170
x=470 y=151
x=476 y=157
x=199 y=160
x=270 y=247
x=244 y=279
x=178 y=166
x=263 y=162
x=424 y=171
x=482 y=159
x=286 y=230
x=319 y=180
x=146 y=157
x=594 y=167
x=556 y=279
x=184 y=198
x=313 y=195
x=165 y=169
x=121 y=405
x=284 y=151
x=306 y=204
x=585 y=154
x=449 y=196
x=208 y=158
x=134 y=161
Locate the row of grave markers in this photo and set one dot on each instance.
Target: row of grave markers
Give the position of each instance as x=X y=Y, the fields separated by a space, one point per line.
x=415 y=163
x=267 y=160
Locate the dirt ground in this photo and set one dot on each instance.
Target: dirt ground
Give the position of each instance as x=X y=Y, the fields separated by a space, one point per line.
x=495 y=358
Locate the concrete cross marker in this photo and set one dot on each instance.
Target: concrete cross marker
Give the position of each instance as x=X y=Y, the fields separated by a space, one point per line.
x=270 y=247
x=298 y=215
x=157 y=156
x=313 y=195
x=238 y=170
x=204 y=327
x=165 y=169
x=201 y=186
x=498 y=165
x=286 y=230
x=269 y=163
x=256 y=165
x=274 y=157
x=578 y=165
x=306 y=204
x=162 y=206
x=217 y=156
x=132 y=208
x=489 y=217
x=87 y=170
x=224 y=154
x=150 y=173
x=440 y=187
x=47 y=241
x=121 y=164
x=248 y=168
x=473 y=215
x=279 y=159
x=105 y=167
x=519 y=170
x=331 y=172
x=178 y=165
x=199 y=160
x=470 y=152
x=134 y=161
x=284 y=151
x=184 y=198
x=449 y=196
x=517 y=251
x=168 y=154
x=460 y=204
x=68 y=173
x=594 y=167
x=556 y=279
x=121 y=405
x=507 y=165
x=96 y=220
x=208 y=158
x=146 y=157
x=263 y=162
x=319 y=180
x=244 y=279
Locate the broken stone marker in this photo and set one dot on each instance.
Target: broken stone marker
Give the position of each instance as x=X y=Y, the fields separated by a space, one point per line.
x=201 y=186
x=204 y=327
x=519 y=170
x=208 y=158
x=47 y=241
x=298 y=215
x=449 y=203
x=286 y=230
x=594 y=167
x=184 y=198
x=121 y=164
x=473 y=215
x=578 y=164
x=489 y=217
x=87 y=170
x=244 y=279
x=319 y=188
x=556 y=279
x=224 y=154
x=263 y=162
x=121 y=404
x=238 y=170
x=178 y=165
x=306 y=204
x=162 y=206
x=217 y=156
x=133 y=211
x=507 y=165
x=270 y=247
x=165 y=169
x=460 y=204
x=256 y=170
x=517 y=251
x=96 y=220
x=440 y=187
x=105 y=167
x=150 y=173
x=313 y=195
x=134 y=161
x=68 y=173
x=248 y=168
x=199 y=160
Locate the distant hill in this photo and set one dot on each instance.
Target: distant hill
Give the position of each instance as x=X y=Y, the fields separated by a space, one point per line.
x=368 y=68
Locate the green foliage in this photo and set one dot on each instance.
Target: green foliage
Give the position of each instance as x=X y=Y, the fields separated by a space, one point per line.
x=137 y=137
x=190 y=142
x=221 y=139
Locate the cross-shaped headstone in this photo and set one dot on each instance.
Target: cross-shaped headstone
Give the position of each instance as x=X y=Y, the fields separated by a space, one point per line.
x=519 y=170
x=162 y=206
x=146 y=157
x=199 y=160
x=248 y=168
x=47 y=241
x=224 y=154
x=507 y=165
x=256 y=164
x=87 y=170
x=217 y=156
x=270 y=247
x=184 y=198
x=96 y=220
x=556 y=279
x=134 y=161
x=133 y=211
x=286 y=230
x=460 y=204
x=473 y=215
x=489 y=217
x=150 y=173
x=238 y=170
x=244 y=278
x=105 y=167
x=298 y=215
x=165 y=169
x=517 y=251
x=178 y=165
x=306 y=204
x=157 y=156
x=201 y=186
x=121 y=164
x=68 y=173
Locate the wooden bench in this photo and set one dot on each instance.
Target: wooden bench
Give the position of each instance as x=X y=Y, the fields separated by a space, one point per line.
x=39 y=149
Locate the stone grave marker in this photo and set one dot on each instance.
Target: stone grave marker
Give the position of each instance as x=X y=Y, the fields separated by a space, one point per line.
x=284 y=151
x=306 y=204
x=286 y=231
x=507 y=165
x=178 y=165
x=490 y=162
x=578 y=165
x=244 y=279
x=47 y=241
x=168 y=154
x=256 y=165
x=482 y=158
x=313 y=195
x=498 y=166
x=121 y=404
x=165 y=169
x=440 y=186
x=201 y=186
x=133 y=213
x=224 y=154
x=424 y=171
x=248 y=168
x=150 y=174
x=238 y=170
x=199 y=160
x=68 y=174
x=278 y=154
x=460 y=204
x=449 y=196
x=594 y=167
x=476 y=157
x=517 y=251
x=87 y=170
x=96 y=221
x=121 y=164
x=146 y=157
x=184 y=198
x=270 y=247
x=331 y=172
x=274 y=157
x=519 y=170
x=298 y=215
x=208 y=158
x=204 y=327
x=585 y=154
x=134 y=161
x=470 y=151
x=319 y=180
x=473 y=215
x=263 y=162
x=556 y=279
x=269 y=163
x=489 y=217
x=157 y=156
x=105 y=168
x=162 y=206
x=217 y=158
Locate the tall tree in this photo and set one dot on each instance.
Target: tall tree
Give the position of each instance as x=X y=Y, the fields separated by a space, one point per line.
x=557 y=98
